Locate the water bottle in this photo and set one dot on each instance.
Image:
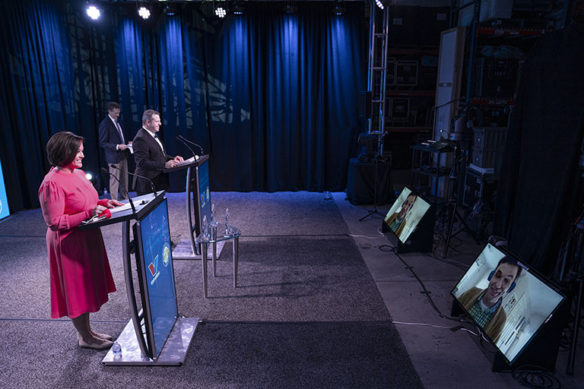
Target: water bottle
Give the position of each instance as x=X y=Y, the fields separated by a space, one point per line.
x=213 y=223
x=227 y=226
x=205 y=229
x=117 y=350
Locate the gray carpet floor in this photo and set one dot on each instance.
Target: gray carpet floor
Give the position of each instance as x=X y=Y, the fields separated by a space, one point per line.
x=306 y=312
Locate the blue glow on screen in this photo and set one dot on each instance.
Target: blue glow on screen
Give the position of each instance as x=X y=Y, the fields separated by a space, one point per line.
x=204 y=191
x=159 y=274
x=4 y=210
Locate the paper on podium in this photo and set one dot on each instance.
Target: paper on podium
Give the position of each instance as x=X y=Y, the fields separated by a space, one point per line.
x=121 y=208
x=187 y=161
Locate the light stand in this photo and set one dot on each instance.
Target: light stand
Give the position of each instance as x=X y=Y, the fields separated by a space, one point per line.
x=374 y=211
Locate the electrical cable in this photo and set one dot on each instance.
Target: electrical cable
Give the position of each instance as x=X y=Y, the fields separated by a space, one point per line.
x=425 y=291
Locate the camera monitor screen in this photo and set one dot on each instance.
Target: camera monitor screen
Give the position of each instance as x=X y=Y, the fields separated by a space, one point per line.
x=506 y=299
x=405 y=214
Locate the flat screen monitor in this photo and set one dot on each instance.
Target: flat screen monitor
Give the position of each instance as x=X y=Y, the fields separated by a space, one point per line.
x=159 y=302
x=506 y=299
x=203 y=193
x=405 y=214
x=4 y=210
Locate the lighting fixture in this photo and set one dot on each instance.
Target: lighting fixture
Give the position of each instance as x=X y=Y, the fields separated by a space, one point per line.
x=144 y=12
x=220 y=12
x=379 y=3
x=93 y=12
x=238 y=9
x=338 y=10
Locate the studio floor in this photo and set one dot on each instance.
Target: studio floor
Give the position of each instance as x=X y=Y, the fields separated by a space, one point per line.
x=322 y=302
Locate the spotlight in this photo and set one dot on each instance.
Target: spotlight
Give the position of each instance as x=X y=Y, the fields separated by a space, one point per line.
x=220 y=12
x=144 y=12
x=290 y=9
x=238 y=9
x=379 y=3
x=338 y=10
x=169 y=11
x=89 y=176
x=93 y=12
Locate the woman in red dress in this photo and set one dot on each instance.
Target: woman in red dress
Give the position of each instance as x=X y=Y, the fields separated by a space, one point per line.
x=80 y=273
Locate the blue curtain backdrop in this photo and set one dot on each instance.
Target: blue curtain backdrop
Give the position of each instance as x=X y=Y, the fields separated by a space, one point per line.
x=272 y=97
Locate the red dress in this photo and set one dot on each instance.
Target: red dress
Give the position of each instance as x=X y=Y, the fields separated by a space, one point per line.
x=80 y=273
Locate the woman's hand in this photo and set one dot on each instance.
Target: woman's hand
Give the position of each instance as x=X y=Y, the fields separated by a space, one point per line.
x=113 y=203
x=98 y=210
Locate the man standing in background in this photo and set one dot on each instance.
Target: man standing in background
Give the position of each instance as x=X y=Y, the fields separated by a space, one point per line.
x=111 y=139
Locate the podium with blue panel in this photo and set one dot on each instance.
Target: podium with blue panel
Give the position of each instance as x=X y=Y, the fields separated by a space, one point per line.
x=155 y=335
x=4 y=210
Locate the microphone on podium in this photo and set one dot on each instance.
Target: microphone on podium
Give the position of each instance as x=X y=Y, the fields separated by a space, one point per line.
x=188 y=147
x=152 y=186
x=116 y=178
x=193 y=143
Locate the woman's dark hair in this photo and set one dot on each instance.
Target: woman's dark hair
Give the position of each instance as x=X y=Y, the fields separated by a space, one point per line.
x=62 y=148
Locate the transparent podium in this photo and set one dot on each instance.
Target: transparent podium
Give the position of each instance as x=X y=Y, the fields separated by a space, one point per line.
x=215 y=237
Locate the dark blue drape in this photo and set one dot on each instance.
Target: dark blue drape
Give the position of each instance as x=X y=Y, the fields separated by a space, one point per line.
x=273 y=98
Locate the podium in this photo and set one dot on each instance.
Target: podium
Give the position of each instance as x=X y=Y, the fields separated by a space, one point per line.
x=198 y=205
x=155 y=335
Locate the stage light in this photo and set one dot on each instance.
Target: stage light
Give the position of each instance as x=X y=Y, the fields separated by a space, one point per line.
x=220 y=12
x=290 y=9
x=338 y=10
x=144 y=12
x=379 y=3
x=238 y=9
x=93 y=12
x=169 y=11
x=89 y=176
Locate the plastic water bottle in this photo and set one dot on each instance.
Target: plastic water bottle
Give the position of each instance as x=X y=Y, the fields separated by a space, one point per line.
x=117 y=350
x=213 y=223
x=227 y=226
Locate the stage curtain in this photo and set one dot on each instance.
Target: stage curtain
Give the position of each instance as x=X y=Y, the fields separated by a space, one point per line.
x=272 y=97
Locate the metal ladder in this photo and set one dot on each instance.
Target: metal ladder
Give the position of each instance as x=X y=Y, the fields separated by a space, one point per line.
x=377 y=71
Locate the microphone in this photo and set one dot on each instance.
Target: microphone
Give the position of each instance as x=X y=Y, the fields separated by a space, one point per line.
x=129 y=198
x=188 y=147
x=193 y=143
x=152 y=186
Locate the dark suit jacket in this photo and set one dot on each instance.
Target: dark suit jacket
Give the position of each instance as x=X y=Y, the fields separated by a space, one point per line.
x=109 y=137
x=150 y=160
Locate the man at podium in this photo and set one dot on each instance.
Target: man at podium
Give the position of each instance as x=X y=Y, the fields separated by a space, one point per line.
x=150 y=156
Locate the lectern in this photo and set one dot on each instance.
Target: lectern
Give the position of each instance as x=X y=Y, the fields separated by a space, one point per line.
x=155 y=335
x=198 y=204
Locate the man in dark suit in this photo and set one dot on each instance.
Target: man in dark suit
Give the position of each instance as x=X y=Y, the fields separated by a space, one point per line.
x=111 y=139
x=150 y=155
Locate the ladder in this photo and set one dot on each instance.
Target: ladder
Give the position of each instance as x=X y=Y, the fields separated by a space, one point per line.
x=377 y=71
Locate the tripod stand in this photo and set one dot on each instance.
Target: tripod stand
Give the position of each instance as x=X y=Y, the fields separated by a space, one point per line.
x=459 y=160
x=374 y=211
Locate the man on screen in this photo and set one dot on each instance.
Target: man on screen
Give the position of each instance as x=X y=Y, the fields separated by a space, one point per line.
x=397 y=221
x=485 y=305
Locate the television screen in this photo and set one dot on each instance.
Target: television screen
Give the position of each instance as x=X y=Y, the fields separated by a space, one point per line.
x=157 y=267
x=405 y=214
x=506 y=299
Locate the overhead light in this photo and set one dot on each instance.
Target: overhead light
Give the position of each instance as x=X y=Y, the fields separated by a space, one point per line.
x=238 y=9
x=220 y=12
x=169 y=10
x=379 y=3
x=290 y=9
x=338 y=10
x=144 y=12
x=93 y=12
